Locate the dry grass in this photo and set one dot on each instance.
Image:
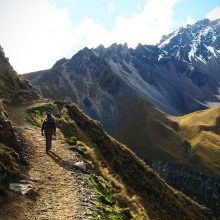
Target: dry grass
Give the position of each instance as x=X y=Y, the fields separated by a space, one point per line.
x=202 y=129
x=149 y=133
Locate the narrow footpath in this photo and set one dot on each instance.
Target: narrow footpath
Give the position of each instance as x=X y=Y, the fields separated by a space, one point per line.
x=62 y=191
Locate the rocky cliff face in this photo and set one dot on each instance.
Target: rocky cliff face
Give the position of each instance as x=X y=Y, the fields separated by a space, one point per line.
x=202 y=188
x=13 y=87
x=12 y=150
x=179 y=75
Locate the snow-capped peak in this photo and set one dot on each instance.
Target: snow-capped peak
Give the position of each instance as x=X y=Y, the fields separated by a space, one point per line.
x=199 y=41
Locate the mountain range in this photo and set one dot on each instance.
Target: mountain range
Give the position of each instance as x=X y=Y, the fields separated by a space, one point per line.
x=179 y=75
x=127 y=89
x=125 y=187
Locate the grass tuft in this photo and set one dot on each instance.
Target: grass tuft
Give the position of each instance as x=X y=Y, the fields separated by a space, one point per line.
x=108 y=207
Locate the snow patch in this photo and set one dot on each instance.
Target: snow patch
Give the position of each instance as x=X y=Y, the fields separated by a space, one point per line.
x=160 y=57
x=192 y=51
x=167 y=41
x=211 y=50
x=200 y=58
x=205 y=31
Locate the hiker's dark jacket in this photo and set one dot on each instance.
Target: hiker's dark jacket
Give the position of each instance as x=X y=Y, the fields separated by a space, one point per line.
x=48 y=124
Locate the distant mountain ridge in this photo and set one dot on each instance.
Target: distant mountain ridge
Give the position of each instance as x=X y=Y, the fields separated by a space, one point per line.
x=179 y=75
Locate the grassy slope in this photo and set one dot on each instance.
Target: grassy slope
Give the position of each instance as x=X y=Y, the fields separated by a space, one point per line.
x=202 y=129
x=154 y=135
x=137 y=185
x=149 y=132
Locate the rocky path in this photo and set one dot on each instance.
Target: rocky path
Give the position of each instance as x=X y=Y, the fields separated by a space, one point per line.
x=62 y=191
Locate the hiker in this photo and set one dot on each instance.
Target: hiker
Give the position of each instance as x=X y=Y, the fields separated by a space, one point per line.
x=48 y=129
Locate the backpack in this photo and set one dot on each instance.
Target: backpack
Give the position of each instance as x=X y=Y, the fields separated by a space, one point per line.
x=49 y=123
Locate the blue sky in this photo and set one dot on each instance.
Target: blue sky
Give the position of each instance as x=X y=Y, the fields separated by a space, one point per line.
x=198 y=9
x=34 y=34
x=98 y=9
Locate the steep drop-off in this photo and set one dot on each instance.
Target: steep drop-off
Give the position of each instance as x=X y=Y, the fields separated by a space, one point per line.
x=197 y=185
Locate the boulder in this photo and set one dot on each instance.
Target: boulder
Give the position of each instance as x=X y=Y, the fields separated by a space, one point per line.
x=22 y=187
x=80 y=165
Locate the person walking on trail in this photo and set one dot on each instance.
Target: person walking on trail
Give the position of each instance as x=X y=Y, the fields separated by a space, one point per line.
x=48 y=129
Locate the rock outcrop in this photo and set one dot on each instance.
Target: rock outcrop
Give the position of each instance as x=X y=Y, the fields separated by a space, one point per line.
x=9 y=143
x=13 y=87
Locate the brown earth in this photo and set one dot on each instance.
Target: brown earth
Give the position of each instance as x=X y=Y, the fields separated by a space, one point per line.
x=60 y=190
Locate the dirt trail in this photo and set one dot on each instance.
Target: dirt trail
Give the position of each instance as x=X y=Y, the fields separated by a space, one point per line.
x=63 y=192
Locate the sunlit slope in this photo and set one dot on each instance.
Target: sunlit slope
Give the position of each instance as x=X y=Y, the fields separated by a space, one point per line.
x=192 y=140
x=202 y=129
x=149 y=132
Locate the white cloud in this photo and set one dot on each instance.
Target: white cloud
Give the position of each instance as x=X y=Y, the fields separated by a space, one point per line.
x=214 y=14
x=35 y=33
x=91 y=34
x=147 y=26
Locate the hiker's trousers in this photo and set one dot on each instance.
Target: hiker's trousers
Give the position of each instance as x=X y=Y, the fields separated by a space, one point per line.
x=48 y=136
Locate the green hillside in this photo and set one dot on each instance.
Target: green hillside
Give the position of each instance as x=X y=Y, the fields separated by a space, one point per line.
x=202 y=129
x=192 y=140
x=150 y=133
